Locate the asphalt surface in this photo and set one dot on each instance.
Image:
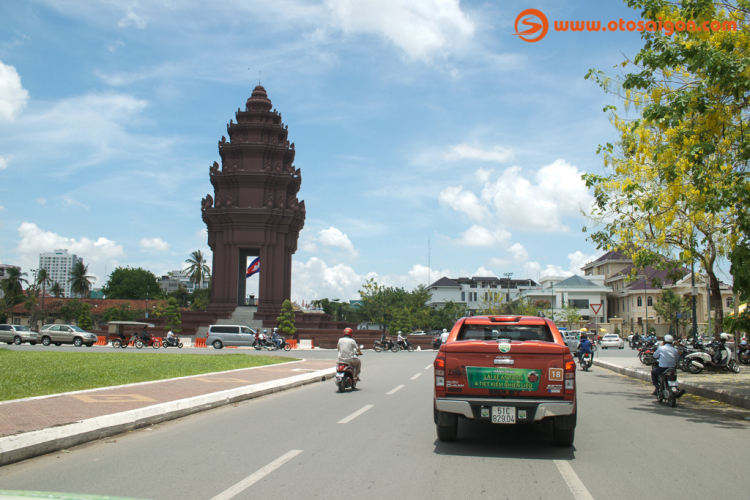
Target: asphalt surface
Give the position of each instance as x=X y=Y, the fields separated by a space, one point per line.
x=293 y=444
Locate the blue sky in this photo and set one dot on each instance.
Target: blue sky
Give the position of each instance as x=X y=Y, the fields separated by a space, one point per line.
x=413 y=120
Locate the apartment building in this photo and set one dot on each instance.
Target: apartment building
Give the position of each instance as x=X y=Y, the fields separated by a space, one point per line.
x=59 y=264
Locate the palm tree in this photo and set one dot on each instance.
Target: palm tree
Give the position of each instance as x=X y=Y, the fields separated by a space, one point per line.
x=12 y=284
x=198 y=269
x=80 y=282
x=56 y=290
x=43 y=279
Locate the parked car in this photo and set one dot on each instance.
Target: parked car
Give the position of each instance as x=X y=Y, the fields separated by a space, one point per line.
x=66 y=334
x=572 y=342
x=230 y=335
x=17 y=334
x=612 y=340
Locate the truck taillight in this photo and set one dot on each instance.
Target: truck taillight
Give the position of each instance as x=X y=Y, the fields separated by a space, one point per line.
x=570 y=376
x=439 y=365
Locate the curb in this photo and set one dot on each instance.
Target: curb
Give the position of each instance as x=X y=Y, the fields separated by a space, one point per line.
x=721 y=395
x=36 y=443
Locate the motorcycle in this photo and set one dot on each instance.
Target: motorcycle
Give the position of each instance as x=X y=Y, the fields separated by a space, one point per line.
x=345 y=376
x=668 y=389
x=586 y=361
x=271 y=346
x=263 y=343
x=151 y=342
x=385 y=346
x=646 y=354
x=405 y=346
x=172 y=342
x=744 y=353
x=697 y=361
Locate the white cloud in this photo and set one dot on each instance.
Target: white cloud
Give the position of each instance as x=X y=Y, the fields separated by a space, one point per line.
x=13 y=96
x=41 y=201
x=480 y=236
x=333 y=237
x=314 y=279
x=578 y=259
x=134 y=19
x=519 y=252
x=4 y=162
x=35 y=240
x=154 y=244
x=465 y=151
x=2 y=208
x=70 y=202
x=534 y=270
x=202 y=233
x=463 y=201
x=423 y=29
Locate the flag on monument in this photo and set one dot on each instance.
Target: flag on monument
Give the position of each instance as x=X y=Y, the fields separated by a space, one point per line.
x=253 y=268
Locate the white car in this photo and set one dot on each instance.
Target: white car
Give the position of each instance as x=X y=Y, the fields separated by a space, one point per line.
x=612 y=340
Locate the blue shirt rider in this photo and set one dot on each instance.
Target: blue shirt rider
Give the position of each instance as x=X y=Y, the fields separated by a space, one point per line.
x=276 y=338
x=584 y=347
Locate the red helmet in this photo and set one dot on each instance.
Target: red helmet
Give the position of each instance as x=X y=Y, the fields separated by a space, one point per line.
x=348 y=332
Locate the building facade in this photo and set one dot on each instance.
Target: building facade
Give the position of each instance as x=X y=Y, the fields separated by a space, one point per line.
x=473 y=291
x=635 y=291
x=174 y=280
x=59 y=265
x=588 y=296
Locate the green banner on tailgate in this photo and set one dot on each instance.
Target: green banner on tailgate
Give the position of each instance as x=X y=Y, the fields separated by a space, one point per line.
x=515 y=379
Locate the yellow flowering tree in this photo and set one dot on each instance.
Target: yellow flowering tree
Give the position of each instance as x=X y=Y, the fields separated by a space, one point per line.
x=675 y=182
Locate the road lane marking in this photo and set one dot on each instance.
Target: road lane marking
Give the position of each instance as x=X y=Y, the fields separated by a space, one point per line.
x=415 y=377
x=256 y=476
x=393 y=391
x=428 y=367
x=355 y=414
x=575 y=485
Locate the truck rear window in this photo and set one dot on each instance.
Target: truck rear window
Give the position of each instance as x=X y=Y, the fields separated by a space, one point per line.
x=508 y=332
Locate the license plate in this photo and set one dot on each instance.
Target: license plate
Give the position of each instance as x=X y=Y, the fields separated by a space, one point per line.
x=503 y=415
x=672 y=383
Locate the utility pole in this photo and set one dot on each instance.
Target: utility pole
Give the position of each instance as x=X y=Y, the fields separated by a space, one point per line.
x=508 y=275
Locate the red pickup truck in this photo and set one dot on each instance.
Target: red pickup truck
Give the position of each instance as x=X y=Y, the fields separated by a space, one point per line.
x=505 y=370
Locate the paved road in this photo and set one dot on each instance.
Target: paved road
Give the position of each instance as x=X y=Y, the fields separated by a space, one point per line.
x=295 y=444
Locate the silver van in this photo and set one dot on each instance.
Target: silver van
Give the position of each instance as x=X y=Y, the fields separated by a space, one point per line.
x=17 y=334
x=230 y=335
x=66 y=334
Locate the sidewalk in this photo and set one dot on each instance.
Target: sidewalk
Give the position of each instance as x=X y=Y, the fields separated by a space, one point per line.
x=36 y=426
x=729 y=388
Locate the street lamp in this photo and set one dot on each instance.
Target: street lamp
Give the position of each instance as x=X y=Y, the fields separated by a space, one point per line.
x=146 y=304
x=645 y=302
x=508 y=275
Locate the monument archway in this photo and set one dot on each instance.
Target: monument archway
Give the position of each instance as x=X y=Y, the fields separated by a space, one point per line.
x=254 y=210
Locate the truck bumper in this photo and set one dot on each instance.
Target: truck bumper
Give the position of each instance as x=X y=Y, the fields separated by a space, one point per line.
x=539 y=408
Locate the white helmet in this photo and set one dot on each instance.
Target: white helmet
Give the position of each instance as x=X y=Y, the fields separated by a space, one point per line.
x=668 y=339
x=445 y=330
x=399 y=332
x=724 y=336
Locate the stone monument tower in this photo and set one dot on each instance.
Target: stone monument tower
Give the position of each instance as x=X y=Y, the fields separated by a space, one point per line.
x=254 y=210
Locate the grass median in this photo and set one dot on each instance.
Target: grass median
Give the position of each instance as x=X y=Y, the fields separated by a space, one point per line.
x=27 y=374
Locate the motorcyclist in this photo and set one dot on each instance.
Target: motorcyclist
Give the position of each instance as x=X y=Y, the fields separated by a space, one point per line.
x=667 y=357
x=584 y=346
x=444 y=336
x=170 y=337
x=145 y=336
x=348 y=352
x=276 y=338
x=400 y=340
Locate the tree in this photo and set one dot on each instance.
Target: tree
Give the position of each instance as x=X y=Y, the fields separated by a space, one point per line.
x=446 y=316
x=198 y=270
x=669 y=305
x=491 y=303
x=528 y=307
x=43 y=279
x=400 y=322
x=286 y=318
x=56 y=290
x=340 y=311
x=12 y=285
x=122 y=312
x=85 y=320
x=680 y=170
x=80 y=281
x=171 y=314
x=570 y=315
x=70 y=309
x=181 y=295
x=132 y=284
x=373 y=308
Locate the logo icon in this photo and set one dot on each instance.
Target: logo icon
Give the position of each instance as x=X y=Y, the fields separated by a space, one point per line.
x=536 y=25
x=504 y=347
x=532 y=377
